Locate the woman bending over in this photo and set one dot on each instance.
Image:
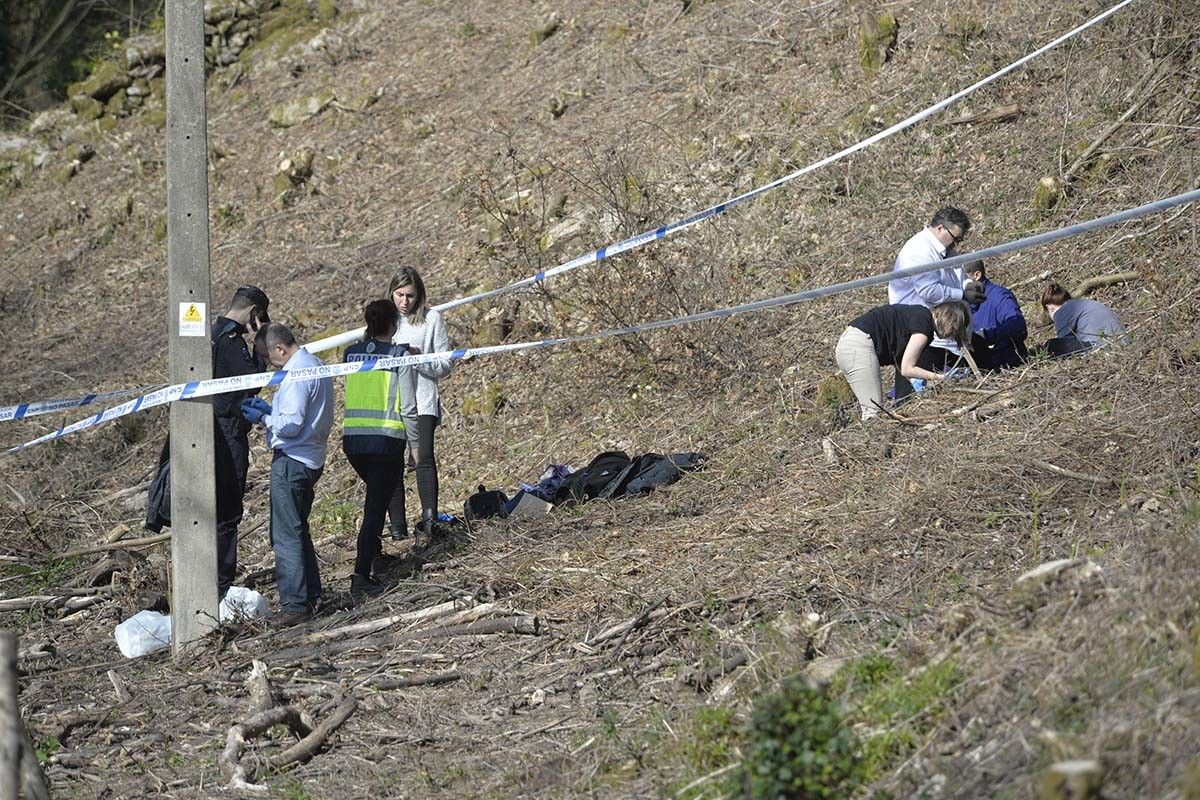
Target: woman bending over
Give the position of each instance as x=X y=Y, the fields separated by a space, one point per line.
x=896 y=335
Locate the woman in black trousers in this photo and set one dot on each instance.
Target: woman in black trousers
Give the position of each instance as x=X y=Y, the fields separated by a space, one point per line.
x=373 y=434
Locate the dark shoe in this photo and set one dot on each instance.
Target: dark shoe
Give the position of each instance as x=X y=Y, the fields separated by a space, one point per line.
x=286 y=619
x=399 y=533
x=428 y=526
x=362 y=587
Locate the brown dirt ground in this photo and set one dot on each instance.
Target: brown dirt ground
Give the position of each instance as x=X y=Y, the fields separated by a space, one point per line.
x=907 y=548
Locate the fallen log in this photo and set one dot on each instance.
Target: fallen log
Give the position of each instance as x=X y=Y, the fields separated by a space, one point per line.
x=307 y=747
x=145 y=541
x=1066 y=473
x=230 y=759
x=522 y=624
x=1087 y=286
x=450 y=626
x=385 y=683
x=258 y=685
x=701 y=681
x=72 y=599
x=383 y=623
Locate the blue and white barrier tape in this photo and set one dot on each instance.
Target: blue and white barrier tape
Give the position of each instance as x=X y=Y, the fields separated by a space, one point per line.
x=218 y=386
x=23 y=410
x=634 y=242
x=349 y=337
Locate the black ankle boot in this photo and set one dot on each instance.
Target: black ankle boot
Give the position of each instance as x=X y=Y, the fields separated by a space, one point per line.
x=362 y=586
x=399 y=532
x=427 y=526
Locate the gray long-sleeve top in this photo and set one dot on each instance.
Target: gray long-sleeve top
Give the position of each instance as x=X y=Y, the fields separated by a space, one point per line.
x=430 y=337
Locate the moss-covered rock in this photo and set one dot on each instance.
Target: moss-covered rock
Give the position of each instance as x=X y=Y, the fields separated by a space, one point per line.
x=327 y=11
x=293 y=112
x=105 y=80
x=51 y=121
x=79 y=151
x=877 y=36
x=1072 y=780
x=86 y=107
x=543 y=31
x=117 y=105
x=1048 y=193
x=486 y=402
x=143 y=50
x=155 y=118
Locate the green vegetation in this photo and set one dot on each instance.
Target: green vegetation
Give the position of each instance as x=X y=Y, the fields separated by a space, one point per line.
x=46 y=748
x=799 y=745
x=897 y=708
x=331 y=516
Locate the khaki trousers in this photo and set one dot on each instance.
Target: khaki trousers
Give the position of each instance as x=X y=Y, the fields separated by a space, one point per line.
x=856 y=358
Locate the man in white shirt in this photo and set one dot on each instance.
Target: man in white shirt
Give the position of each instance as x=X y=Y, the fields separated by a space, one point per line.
x=298 y=425
x=934 y=243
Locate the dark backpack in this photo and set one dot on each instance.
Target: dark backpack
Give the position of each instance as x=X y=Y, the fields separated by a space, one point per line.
x=649 y=471
x=590 y=482
x=485 y=503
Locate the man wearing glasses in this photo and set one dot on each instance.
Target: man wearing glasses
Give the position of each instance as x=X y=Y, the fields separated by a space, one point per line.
x=934 y=243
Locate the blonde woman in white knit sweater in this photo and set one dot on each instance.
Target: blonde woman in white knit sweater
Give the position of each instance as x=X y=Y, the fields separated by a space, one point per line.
x=422 y=330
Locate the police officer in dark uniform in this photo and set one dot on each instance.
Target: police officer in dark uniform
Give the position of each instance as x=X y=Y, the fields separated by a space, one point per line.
x=232 y=357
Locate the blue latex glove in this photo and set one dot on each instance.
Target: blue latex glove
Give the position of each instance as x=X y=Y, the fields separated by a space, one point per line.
x=252 y=412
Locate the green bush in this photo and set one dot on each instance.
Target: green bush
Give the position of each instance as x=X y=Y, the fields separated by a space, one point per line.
x=799 y=748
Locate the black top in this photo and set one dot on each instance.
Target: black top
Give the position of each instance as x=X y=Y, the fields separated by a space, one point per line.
x=231 y=357
x=890 y=328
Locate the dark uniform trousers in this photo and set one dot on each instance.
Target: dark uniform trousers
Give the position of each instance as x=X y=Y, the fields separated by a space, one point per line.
x=232 y=453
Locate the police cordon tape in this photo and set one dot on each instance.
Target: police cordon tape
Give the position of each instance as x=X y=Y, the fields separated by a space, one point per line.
x=664 y=231
x=24 y=410
x=221 y=385
x=339 y=340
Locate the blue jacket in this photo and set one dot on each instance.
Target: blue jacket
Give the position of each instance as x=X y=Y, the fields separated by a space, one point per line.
x=998 y=320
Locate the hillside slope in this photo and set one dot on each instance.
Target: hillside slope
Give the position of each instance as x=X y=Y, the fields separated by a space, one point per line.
x=884 y=558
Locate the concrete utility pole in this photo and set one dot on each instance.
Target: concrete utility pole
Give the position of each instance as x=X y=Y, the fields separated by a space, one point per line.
x=193 y=484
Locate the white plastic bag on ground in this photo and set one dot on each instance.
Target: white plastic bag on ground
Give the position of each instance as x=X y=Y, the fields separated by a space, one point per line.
x=241 y=603
x=144 y=633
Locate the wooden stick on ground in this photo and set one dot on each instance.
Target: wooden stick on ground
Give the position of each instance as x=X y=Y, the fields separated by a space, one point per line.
x=307 y=747
x=258 y=685
x=705 y=679
x=371 y=626
x=383 y=682
x=1085 y=287
x=121 y=545
x=1079 y=476
x=235 y=743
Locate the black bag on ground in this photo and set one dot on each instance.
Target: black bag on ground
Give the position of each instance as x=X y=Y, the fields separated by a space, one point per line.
x=647 y=472
x=485 y=503
x=591 y=481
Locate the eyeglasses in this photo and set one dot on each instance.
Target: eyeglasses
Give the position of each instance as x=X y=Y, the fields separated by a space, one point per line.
x=955 y=238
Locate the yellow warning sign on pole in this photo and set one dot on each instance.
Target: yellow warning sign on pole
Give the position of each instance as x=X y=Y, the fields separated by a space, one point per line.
x=191 y=319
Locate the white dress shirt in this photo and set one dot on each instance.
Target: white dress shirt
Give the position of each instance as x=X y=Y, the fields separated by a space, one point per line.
x=929 y=288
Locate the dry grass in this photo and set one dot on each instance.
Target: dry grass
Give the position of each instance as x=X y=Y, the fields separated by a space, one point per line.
x=908 y=548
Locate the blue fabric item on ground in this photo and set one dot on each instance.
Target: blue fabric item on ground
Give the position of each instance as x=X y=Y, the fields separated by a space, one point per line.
x=549 y=481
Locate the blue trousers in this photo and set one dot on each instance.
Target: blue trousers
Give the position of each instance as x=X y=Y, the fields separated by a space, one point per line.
x=296 y=572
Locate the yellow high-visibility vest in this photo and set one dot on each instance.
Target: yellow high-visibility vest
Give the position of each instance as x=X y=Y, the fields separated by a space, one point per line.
x=373 y=405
